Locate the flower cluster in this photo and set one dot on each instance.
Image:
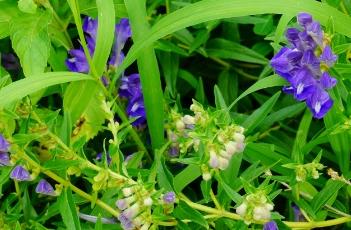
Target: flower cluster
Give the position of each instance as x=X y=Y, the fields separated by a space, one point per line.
x=304 y=171
x=255 y=207
x=221 y=139
x=130 y=87
x=305 y=63
x=135 y=207
x=20 y=173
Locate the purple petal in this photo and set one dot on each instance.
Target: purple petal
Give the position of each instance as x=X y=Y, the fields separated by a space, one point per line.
x=4 y=159
x=45 y=188
x=303 y=84
x=328 y=57
x=4 y=145
x=298 y=217
x=315 y=31
x=169 y=198
x=20 y=174
x=78 y=61
x=90 y=27
x=108 y=156
x=122 y=33
x=319 y=103
x=304 y=19
x=125 y=222
x=270 y=226
x=10 y=61
x=327 y=81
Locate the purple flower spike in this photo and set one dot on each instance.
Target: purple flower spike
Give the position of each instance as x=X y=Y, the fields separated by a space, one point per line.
x=270 y=226
x=4 y=159
x=169 y=198
x=20 y=174
x=4 y=145
x=304 y=69
x=45 y=188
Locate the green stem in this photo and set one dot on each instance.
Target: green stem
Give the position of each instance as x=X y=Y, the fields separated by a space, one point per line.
x=66 y=183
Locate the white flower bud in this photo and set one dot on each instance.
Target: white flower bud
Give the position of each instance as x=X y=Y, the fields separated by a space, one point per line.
x=145 y=226
x=180 y=125
x=206 y=176
x=223 y=163
x=132 y=211
x=220 y=138
x=214 y=162
x=148 y=201
x=240 y=129
x=241 y=209
x=315 y=174
x=231 y=147
x=240 y=146
x=189 y=120
x=127 y=192
x=224 y=154
x=238 y=137
x=269 y=206
x=261 y=213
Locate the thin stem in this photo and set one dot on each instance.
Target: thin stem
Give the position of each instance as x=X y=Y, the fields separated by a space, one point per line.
x=214 y=199
x=66 y=183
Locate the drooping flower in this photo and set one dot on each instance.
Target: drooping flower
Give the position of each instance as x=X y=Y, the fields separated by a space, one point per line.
x=19 y=173
x=122 y=33
x=271 y=225
x=304 y=64
x=43 y=187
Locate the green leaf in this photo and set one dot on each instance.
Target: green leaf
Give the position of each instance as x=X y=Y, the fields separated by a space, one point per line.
x=185 y=212
x=68 y=210
x=264 y=28
x=170 y=67
x=149 y=73
x=27 y=6
x=30 y=40
x=19 y=89
x=208 y=10
x=301 y=138
x=256 y=118
x=164 y=176
x=105 y=34
x=264 y=83
x=185 y=177
x=234 y=196
x=327 y=192
x=228 y=84
x=8 y=10
x=222 y=48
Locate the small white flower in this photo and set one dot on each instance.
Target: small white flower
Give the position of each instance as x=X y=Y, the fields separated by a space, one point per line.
x=238 y=137
x=241 y=209
x=231 y=147
x=132 y=211
x=223 y=163
x=189 y=120
x=127 y=192
x=180 y=125
x=261 y=213
x=148 y=201
x=206 y=176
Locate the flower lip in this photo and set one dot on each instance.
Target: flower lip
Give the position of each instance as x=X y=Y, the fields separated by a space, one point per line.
x=19 y=173
x=45 y=188
x=271 y=225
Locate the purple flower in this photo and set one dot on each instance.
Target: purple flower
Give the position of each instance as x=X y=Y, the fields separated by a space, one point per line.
x=123 y=32
x=78 y=62
x=20 y=174
x=4 y=145
x=298 y=217
x=125 y=222
x=303 y=69
x=130 y=88
x=4 y=159
x=270 y=226
x=169 y=198
x=45 y=188
x=108 y=157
